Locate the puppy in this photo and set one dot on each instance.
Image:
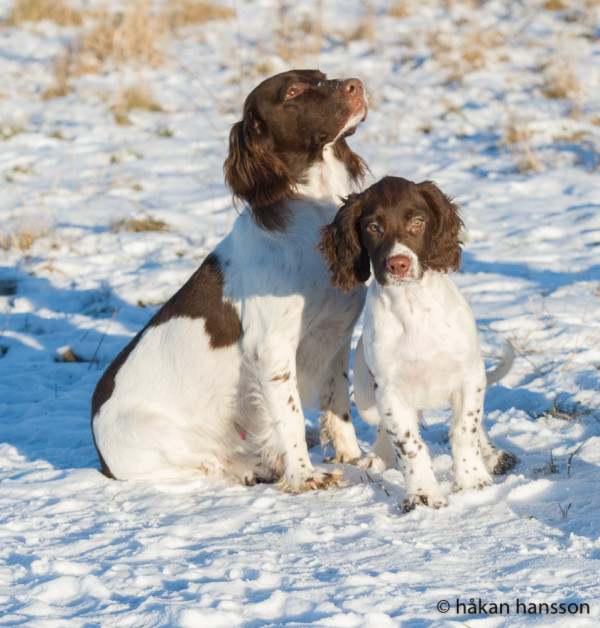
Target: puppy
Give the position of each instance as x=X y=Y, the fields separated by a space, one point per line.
x=419 y=346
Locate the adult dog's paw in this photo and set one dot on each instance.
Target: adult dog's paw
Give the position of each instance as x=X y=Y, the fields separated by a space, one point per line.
x=319 y=479
x=371 y=461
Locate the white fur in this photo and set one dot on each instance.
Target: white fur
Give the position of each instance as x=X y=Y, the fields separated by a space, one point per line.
x=180 y=407
x=419 y=348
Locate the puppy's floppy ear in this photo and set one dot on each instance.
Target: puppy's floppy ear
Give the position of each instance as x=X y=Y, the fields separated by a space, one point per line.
x=255 y=175
x=342 y=249
x=445 y=250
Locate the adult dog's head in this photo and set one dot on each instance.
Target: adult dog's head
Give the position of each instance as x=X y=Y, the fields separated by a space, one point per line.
x=287 y=122
x=399 y=227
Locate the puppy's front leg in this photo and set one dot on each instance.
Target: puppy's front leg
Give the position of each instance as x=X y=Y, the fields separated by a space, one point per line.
x=465 y=436
x=401 y=424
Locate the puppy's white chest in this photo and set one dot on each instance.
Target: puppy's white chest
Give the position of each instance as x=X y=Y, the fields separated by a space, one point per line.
x=416 y=340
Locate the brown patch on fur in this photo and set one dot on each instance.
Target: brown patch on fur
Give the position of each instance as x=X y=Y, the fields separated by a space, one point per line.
x=282 y=378
x=200 y=297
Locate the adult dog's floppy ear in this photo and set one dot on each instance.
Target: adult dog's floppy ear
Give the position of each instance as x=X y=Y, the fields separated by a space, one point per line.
x=445 y=252
x=256 y=175
x=342 y=249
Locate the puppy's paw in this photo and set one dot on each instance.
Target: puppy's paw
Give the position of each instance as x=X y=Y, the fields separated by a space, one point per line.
x=410 y=502
x=474 y=478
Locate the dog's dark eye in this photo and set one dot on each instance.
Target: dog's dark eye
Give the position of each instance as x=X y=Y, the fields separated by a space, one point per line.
x=417 y=223
x=292 y=92
x=373 y=227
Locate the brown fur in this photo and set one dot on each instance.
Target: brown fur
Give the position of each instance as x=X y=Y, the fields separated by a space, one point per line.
x=279 y=138
x=347 y=247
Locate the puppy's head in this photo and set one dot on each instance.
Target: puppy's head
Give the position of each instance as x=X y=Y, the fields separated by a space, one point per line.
x=400 y=227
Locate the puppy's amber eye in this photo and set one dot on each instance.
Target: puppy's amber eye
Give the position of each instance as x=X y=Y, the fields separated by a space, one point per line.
x=373 y=228
x=417 y=223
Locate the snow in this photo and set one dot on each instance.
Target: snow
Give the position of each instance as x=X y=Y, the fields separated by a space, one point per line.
x=450 y=84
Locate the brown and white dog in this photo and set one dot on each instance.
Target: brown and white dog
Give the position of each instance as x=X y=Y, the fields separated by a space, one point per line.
x=217 y=379
x=419 y=345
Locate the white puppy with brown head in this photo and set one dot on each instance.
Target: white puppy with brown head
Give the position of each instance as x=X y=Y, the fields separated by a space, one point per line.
x=419 y=346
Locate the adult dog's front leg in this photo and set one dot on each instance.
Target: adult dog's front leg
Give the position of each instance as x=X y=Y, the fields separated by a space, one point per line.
x=275 y=371
x=402 y=427
x=336 y=422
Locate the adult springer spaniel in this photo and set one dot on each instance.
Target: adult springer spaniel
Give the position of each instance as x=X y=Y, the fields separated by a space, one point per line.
x=217 y=379
x=419 y=345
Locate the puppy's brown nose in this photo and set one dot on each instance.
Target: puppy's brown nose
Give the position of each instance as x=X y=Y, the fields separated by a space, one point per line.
x=352 y=87
x=398 y=265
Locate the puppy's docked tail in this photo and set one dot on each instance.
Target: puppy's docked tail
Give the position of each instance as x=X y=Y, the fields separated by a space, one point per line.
x=503 y=367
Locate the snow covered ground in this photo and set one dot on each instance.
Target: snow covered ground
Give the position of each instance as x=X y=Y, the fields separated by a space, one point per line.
x=498 y=103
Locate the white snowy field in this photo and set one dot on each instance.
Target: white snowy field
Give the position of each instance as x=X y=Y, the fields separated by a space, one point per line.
x=495 y=101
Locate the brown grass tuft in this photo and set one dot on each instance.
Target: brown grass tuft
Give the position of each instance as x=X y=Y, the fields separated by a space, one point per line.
x=23 y=238
x=62 y=73
x=400 y=8
x=135 y=97
x=189 y=12
x=139 y=33
x=465 y=51
x=139 y=225
x=293 y=38
x=38 y=10
x=554 y=5
x=518 y=139
x=560 y=79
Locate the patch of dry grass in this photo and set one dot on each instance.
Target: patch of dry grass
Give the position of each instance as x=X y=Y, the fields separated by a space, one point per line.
x=137 y=34
x=464 y=51
x=294 y=38
x=7 y=132
x=554 y=5
x=25 y=235
x=519 y=140
x=38 y=10
x=560 y=78
x=135 y=97
x=62 y=73
x=139 y=225
x=189 y=12
x=400 y=8
x=566 y=410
